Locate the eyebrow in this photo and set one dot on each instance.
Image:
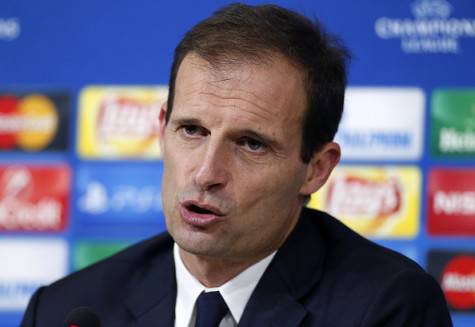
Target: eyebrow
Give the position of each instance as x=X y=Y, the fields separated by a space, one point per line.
x=186 y=121
x=246 y=132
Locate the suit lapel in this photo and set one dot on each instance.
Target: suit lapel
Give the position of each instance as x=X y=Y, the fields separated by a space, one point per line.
x=295 y=270
x=152 y=292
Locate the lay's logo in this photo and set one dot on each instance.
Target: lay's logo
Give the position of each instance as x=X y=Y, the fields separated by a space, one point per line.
x=354 y=196
x=130 y=118
x=374 y=201
x=32 y=122
x=120 y=122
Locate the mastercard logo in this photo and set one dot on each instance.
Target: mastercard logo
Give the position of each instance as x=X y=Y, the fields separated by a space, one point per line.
x=30 y=122
x=458 y=282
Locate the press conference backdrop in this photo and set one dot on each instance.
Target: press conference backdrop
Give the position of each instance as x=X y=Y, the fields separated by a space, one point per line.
x=81 y=83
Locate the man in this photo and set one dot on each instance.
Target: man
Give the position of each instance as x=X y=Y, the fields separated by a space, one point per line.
x=256 y=95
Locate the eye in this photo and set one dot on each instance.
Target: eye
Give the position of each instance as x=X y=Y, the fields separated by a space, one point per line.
x=253 y=145
x=192 y=130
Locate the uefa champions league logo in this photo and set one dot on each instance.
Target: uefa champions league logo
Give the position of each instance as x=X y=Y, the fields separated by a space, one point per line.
x=432 y=29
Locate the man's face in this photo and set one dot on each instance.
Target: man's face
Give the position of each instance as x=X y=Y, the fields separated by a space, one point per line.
x=233 y=179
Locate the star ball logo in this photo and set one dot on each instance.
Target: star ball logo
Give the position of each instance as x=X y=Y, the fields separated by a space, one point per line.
x=9 y=28
x=430 y=30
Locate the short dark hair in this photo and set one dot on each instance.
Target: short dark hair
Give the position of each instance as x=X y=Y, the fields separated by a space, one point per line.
x=242 y=32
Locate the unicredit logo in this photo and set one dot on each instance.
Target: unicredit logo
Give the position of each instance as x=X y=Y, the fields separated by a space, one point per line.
x=458 y=282
x=33 y=199
x=357 y=196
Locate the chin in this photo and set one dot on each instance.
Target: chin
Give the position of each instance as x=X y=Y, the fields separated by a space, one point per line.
x=209 y=251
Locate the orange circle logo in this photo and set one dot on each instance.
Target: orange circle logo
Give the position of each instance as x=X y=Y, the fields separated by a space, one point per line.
x=29 y=123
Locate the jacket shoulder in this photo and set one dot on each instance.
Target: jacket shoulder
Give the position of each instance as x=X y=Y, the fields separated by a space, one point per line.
x=345 y=248
x=374 y=283
x=105 y=285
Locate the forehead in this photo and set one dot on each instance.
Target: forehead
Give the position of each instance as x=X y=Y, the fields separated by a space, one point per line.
x=270 y=92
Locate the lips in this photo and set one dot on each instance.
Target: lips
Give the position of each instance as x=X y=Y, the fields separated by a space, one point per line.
x=200 y=214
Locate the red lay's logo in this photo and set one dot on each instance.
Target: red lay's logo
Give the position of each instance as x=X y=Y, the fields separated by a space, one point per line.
x=30 y=122
x=458 y=282
x=127 y=118
x=33 y=198
x=357 y=196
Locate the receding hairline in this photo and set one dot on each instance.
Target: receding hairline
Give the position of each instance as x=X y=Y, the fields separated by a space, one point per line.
x=223 y=68
x=231 y=60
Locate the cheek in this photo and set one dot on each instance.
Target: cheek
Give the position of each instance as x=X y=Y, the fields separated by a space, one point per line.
x=273 y=188
x=173 y=166
x=170 y=180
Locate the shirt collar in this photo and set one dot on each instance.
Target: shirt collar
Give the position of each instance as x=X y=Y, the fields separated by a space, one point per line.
x=236 y=292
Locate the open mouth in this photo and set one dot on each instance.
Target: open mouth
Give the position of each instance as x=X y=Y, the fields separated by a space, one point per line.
x=200 y=210
x=199 y=214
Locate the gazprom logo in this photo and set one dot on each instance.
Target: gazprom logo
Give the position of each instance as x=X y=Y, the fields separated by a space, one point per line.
x=432 y=29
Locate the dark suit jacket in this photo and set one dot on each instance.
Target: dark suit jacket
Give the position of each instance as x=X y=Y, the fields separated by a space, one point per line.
x=323 y=275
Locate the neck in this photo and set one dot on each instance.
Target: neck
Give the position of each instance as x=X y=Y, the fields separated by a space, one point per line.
x=213 y=272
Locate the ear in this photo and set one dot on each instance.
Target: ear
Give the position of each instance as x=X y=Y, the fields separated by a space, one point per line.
x=320 y=167
x=162 y=125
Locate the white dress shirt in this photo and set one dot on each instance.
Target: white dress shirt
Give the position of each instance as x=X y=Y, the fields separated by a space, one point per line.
x=235 y=292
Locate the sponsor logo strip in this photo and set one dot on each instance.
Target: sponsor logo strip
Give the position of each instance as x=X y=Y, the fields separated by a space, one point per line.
x=374 y=201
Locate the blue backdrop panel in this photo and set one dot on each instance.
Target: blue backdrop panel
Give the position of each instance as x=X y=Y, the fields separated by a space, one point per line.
x=56 y=46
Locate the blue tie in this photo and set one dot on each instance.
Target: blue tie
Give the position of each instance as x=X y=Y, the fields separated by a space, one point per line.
x=210 y=309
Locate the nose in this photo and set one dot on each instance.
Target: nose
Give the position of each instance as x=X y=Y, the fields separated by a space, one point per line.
x=212 y=172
